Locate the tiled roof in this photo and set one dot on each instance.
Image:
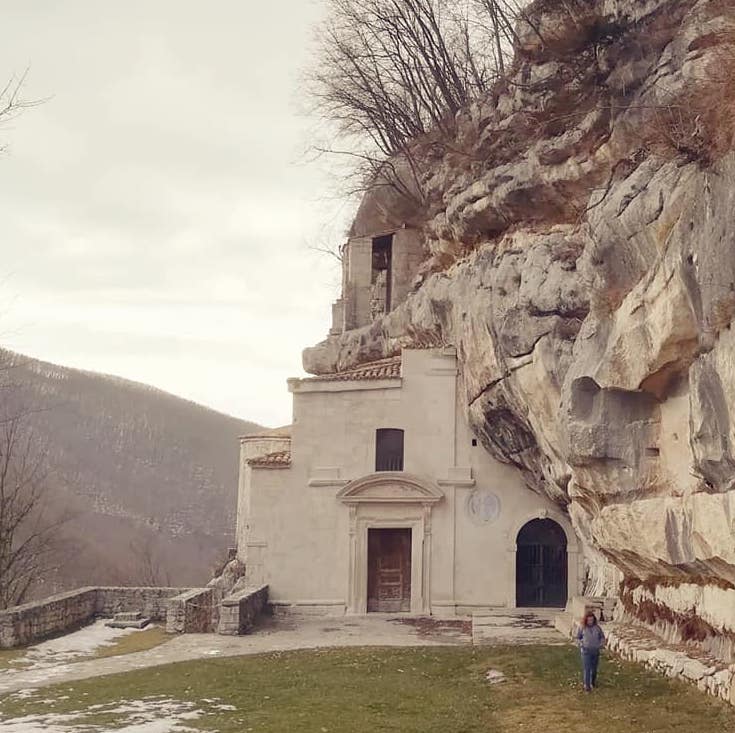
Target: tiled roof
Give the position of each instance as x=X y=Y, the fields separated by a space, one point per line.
x=279 y=459
x=383 y=369
x=282 y=432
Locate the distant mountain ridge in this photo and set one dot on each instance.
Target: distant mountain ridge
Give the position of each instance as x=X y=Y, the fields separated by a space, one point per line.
x=150 y=478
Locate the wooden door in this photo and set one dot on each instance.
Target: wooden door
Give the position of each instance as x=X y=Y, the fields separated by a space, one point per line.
x=389 y=570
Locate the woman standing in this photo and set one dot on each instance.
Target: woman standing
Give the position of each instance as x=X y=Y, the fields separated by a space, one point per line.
x=590 y=639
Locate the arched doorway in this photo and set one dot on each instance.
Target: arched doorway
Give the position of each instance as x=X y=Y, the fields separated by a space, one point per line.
x=541 y=565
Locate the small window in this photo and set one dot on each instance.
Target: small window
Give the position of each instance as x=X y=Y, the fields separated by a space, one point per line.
x=388 y=449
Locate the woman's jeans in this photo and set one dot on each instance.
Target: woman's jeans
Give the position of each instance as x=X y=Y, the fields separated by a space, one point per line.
x=590 y=661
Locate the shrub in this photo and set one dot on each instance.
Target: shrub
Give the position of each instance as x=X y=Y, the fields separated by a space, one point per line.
x=698 y=123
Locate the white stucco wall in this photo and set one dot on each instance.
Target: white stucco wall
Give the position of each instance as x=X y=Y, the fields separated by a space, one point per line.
x=305 y=541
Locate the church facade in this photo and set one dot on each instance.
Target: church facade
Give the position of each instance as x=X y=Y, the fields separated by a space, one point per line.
x=379 y=499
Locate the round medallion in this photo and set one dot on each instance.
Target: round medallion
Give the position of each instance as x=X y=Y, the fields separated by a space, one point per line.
x=483 y=506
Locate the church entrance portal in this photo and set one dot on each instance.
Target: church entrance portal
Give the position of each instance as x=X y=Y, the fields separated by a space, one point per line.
x=541 y=565
x=389 y=570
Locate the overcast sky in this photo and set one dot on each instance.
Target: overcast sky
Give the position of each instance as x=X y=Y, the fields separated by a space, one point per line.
x=156 y=211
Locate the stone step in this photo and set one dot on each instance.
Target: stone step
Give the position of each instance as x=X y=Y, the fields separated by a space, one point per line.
x=565 y=623
x=602 y=606
x=129 y=616
x=139 y=623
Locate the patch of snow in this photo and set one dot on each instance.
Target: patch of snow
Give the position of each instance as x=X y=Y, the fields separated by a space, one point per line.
x=82 y=643
x=51 y=658
x=24 y=694
x=137 y=716
x=494 y=676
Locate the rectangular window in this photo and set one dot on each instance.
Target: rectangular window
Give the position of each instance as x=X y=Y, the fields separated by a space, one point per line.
x=389 y=449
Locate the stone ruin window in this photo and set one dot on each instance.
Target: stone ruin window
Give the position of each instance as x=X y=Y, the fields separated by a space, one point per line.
x=380 y=282
x=388 y=449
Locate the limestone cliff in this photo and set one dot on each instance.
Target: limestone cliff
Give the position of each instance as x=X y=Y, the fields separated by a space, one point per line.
x=582 y=261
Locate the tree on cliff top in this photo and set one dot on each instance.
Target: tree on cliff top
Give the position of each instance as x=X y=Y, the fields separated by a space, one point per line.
x=389 y=71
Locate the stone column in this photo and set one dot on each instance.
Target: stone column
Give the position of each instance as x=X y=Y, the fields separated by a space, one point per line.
x=426 y=590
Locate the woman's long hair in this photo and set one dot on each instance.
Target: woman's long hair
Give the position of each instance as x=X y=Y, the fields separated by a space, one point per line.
x=587 y=615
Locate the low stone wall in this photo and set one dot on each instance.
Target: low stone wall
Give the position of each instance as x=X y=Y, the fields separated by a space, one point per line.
x=184 y=610
x=239 y=611
x=684 y=662
x=21 y=625
x=31 y=622
x=151 y=602
x=191 y=612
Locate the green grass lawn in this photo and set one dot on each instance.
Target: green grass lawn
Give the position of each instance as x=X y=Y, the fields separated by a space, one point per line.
x=138 y=641
x=441 y=690
x=8 y=657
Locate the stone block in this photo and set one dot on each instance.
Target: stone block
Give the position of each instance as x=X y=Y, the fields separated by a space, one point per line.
x=129 y=616
x=239 y=610
x=565 y=624
x=191 y=612
x=693 y=669
x=580 y=605
x=128 y=623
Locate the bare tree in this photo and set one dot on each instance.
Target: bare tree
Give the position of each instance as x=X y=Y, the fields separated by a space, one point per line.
x=390 y=73
x=395 y=69
x=28 y=527
x=148 y=570
x=28 y=532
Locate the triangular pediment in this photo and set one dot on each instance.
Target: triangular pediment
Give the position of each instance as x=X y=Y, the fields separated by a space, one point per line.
x=388 y=487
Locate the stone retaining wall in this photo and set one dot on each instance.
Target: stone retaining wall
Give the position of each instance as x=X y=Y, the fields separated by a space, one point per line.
x=191 y=612
x=239 y=611
x=684 y=662
x=21 y=625
x=151 y=602
x=31 y=622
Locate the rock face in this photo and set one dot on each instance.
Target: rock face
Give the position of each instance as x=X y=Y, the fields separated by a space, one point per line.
x=583 y=259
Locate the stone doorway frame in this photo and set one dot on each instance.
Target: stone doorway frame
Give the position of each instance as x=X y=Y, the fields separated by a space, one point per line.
x=390 y=500
x=573 y=554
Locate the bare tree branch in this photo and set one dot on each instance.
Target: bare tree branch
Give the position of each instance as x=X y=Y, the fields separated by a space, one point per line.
x=12 y=101
x=28 y=527
x=391 y=76
x=148 y=570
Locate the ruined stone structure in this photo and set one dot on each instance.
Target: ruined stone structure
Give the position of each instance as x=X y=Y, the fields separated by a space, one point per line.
x=377 y=274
